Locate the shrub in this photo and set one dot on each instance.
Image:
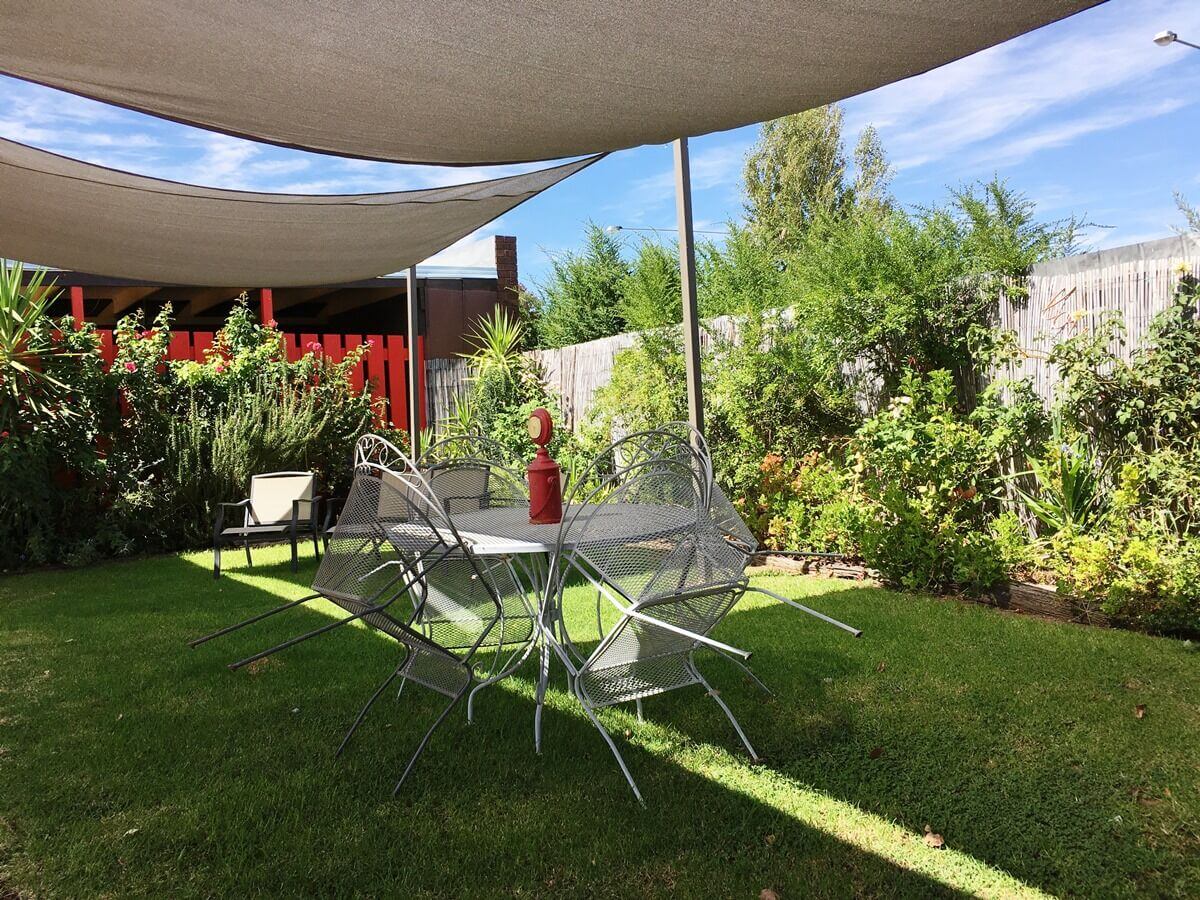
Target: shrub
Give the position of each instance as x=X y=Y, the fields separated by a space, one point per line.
x=1141 y=575
x=927 y=475
x=804 y=504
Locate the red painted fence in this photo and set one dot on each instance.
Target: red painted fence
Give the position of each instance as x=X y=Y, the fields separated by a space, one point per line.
x=385 y=365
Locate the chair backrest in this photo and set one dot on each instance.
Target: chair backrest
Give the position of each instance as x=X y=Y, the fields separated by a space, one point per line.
x=395 y=535
x=648 y=528
x=272 y=496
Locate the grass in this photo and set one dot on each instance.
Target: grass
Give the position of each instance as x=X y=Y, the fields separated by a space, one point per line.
x=130 y=765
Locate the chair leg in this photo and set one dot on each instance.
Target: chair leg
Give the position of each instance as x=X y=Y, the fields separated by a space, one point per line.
x=638 y=704
x=728 y=712
x=249 y=561
x=216 y=559
x=316 y=544
x=745 y=668
x=295 y=558
x=196 y=642
x=493 y=679
x=375 y=696
x=617 y=753
x=543 y=680
x=428 y=734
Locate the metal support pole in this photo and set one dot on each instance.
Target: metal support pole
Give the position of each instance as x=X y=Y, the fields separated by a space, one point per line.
x=687 y=285
x=414 y=383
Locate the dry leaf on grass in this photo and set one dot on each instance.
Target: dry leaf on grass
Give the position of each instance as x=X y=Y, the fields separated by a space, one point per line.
x=1139 y=711
x=882 y=665
x=768 y=894
x=876 y=752
x=933 y=839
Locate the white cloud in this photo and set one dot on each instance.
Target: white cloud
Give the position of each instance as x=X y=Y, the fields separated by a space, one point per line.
x=477 y=249
x=1063 y=133
x=711 y=167
x=995 y=94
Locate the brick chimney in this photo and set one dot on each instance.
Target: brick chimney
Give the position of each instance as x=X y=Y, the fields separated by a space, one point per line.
x=506 y=270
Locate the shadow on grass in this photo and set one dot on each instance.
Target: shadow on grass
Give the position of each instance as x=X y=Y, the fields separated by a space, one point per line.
x=134 y=765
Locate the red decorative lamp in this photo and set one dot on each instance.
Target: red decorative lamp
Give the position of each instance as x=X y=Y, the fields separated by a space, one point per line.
x=545 y=476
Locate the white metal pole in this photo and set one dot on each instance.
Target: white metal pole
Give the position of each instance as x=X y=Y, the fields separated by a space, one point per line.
x=414 y=383
x=687 y=285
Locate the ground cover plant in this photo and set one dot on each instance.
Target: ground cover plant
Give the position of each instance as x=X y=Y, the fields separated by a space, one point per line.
x=1048 y=757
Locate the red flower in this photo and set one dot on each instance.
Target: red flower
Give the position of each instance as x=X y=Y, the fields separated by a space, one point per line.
x=130 y=366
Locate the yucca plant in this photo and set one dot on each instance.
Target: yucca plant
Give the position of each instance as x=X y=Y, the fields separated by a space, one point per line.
x=496 y=343
x=26 y=389
x=1069 y=480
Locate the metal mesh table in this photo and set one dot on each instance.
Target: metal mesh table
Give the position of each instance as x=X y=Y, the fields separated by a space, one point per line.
x=507 y=532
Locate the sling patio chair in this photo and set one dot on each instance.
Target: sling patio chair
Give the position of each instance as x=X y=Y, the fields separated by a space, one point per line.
x=392 y=538
x=650 y=530
x=280 y=503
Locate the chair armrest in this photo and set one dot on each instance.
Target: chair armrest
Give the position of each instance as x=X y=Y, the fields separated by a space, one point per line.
x=314 y=505
x=333 y=505
x=220 y=520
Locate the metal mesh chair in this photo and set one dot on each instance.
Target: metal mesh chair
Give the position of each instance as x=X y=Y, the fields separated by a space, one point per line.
x=465 y=476
x=659 y=540
x=393 y=538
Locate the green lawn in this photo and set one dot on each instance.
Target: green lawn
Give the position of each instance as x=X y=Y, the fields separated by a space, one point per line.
x=131 y=765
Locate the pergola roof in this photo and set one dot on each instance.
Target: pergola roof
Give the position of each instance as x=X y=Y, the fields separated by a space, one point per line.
x=486 y=81
x=73 y=215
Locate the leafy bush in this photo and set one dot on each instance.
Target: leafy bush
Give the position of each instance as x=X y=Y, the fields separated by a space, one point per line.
x=927 y=476
x=805 y=504
x=132 y=459
x=506 y=387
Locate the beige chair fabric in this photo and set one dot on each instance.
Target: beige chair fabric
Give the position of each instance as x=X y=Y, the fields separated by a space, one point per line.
x=272 y=497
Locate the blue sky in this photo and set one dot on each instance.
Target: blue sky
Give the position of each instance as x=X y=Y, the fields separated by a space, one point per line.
x=1087 y=116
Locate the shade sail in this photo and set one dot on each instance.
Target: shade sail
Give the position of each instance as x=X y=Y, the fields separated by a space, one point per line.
x=479 y=81
x=60 y=212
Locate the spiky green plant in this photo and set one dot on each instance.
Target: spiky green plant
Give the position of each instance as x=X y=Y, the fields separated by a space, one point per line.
x=496 y=344
x=26 y=390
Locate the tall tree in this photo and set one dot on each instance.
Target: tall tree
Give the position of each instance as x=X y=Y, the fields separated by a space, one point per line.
x=651 y=292
x=872 y=173
x=582 y=300
x=795 y=173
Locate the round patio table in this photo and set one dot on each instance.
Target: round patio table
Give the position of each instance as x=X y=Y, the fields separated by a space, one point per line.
x=541 y=555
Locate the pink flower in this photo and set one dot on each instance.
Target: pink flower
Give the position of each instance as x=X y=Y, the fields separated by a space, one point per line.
x=271 y=323
x=314 y=346
x=130 y=366
x=219 y=368
x=370 y=343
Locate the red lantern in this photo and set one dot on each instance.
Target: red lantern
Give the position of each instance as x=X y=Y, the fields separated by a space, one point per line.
x=545 y=476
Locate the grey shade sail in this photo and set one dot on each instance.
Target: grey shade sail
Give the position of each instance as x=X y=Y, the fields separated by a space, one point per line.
x=60 y=212
x=486 y=81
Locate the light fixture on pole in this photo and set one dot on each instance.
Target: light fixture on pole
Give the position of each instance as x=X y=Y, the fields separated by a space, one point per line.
x=613 y=229
x=1166 y=38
